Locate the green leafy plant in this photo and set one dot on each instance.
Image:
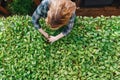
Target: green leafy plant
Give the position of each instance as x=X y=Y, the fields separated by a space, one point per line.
x=90 y=52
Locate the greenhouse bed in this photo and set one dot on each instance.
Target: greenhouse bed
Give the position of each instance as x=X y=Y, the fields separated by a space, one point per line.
x=90 y=52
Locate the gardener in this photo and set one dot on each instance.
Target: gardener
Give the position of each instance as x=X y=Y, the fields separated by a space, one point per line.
x=58 y=13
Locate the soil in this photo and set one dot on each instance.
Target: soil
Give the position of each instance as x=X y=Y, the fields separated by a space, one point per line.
x=106 y=11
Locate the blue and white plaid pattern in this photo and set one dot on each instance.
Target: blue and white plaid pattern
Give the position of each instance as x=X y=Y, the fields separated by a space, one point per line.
x=42 y=10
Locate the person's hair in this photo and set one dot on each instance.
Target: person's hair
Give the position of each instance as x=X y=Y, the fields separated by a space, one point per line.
x=60 y=12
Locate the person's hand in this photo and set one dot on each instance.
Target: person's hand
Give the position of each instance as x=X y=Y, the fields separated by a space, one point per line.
x=45 y=34
x=52 y=39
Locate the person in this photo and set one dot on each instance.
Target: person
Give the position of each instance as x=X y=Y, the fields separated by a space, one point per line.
x=57 y=13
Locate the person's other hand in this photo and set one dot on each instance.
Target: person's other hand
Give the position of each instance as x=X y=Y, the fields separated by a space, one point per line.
x=52 y=39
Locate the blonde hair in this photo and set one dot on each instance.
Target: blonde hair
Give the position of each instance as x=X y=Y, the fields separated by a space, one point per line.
x=60 y=12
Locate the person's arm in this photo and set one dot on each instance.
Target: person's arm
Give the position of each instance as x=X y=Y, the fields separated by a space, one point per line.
x=39 y=14
x=36 y=16
x=65 y=31
x=70 y=25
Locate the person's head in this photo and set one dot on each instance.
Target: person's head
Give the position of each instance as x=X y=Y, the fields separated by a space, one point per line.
x=59 y=13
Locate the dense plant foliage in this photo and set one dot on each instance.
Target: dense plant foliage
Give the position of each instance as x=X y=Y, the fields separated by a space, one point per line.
x=90 y=52
x=21 y=6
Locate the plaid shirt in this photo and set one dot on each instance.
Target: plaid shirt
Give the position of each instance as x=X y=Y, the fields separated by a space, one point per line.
x=42 y=10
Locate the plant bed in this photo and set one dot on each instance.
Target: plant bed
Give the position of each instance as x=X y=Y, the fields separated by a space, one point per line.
x=90 y=52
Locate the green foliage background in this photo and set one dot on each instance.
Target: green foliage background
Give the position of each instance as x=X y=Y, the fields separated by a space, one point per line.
x=90 y=52
x=21 y=7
